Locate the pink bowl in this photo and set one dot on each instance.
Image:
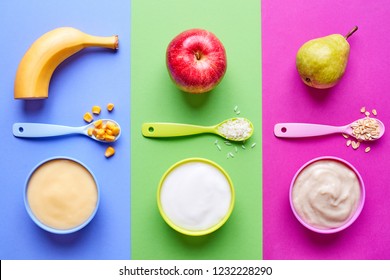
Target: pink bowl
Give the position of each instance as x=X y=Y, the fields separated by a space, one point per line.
x=357 y=211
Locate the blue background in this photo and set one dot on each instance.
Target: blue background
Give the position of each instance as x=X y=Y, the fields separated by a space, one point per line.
x=91 y=77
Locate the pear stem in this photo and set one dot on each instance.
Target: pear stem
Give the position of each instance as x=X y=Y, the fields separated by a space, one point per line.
x=351 y=32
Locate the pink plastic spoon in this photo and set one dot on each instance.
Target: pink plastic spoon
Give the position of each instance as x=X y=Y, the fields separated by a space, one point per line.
x=296 y=130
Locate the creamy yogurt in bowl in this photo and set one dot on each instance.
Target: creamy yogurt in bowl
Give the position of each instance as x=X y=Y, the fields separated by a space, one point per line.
x=61 y=195
x=195 y=196
x=327 y=194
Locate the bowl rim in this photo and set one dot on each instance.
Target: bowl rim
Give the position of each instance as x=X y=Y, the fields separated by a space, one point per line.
x=195 y=232
x=358 y=210
x=41 y=224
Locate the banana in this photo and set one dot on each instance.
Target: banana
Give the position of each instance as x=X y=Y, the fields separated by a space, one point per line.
x=46 y=53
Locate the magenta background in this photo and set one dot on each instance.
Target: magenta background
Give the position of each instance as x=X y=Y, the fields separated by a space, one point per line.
x=286 y=25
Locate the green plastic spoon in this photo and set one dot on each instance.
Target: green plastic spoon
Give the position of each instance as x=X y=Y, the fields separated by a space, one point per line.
x=234 y=129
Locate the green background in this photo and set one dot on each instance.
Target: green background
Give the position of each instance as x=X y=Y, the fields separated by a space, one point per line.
x=154 y=98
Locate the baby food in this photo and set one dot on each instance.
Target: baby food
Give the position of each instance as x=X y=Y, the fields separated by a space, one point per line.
x=326 y=194
x=196 y=196
x=62 y=194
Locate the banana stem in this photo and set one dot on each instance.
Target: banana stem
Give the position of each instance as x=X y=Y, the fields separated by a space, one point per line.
x=110 y=42
x=354 y=29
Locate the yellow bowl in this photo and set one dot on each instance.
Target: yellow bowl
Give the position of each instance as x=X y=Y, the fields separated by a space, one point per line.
x=190 y=231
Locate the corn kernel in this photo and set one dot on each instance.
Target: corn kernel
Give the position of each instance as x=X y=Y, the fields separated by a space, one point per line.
x=110 y=125
x=109 y=138
x=90 y=131
x=98 y=123
x=110 y=107
x=110 y=151
x=96 y=110
x=100 y=131
x=115 y=131
x=88 y=117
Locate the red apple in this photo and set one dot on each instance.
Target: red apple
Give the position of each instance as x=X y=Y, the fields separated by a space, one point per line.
x=196 y=60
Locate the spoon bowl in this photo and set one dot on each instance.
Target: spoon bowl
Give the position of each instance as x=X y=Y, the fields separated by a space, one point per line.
x=380 y=129
x=365 y=129
x=37 y=130
x=234 y=129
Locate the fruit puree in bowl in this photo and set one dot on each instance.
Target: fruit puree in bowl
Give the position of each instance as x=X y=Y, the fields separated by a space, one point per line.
x=61 y=195
x=195 y=196
x=327 y=194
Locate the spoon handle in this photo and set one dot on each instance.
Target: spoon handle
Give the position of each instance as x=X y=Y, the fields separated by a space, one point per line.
x=173 y=129
x=42 y=130
x=294 y=130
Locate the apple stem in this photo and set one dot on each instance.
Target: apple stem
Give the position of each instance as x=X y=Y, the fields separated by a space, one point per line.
x=351 y=32
x=197 y=55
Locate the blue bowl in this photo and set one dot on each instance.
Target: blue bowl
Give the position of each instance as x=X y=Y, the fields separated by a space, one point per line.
x=46 y=227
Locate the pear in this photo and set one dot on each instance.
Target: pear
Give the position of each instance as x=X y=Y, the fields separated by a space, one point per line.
x=321 y=62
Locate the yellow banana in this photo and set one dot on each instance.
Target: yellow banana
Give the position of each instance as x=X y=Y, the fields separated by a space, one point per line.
x=46 y=53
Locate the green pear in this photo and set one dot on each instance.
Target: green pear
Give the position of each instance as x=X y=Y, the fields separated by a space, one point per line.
x=321 y=62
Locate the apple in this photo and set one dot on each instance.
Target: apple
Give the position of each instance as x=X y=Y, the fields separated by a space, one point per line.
x=196 y=61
